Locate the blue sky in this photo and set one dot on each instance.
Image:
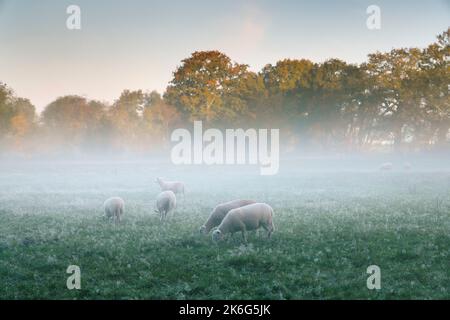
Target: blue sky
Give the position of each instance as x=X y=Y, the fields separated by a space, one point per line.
x=137 y=44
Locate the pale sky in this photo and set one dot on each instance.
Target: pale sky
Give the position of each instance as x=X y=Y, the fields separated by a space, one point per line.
x=137 y=44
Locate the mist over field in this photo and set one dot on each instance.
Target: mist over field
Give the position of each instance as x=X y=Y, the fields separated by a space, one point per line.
x=333 y=216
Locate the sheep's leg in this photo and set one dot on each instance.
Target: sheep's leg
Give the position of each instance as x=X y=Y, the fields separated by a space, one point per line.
x=116 y=217
x=233 y=238
x=244 y=235
x=258 y=232
x=270 y=231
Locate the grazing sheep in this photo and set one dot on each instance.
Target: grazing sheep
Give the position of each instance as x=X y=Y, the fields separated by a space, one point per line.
x=174 y=186
x=165 y=203
x=387 y=166
x=220 y=211
x=243 y=219
x=114 y=208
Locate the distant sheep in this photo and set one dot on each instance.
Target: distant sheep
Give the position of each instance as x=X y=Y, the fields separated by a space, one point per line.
x=220 y=211
x=174 y=186
x=387 y=166
x=165 y=203
x=250 y=217
x=114 y=208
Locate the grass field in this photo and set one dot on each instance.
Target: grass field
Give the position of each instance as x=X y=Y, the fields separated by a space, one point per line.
x=330 y=226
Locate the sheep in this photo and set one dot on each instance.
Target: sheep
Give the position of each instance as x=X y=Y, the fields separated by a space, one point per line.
x=114 y=208
x=220 y=211
x=174 y=186
x=243 y=219
x=165 y=203
x=387 y=166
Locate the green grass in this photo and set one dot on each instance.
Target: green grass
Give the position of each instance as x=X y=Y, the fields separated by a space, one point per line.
x=329 y=228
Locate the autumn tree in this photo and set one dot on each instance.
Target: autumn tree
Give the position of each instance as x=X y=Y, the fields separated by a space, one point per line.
x=207 y=87
x=433 y=81
x=125 y=116
x=23 y=121
x=159 y=118
x=393 y=72
x=6 y=109
x=73 y=121
x=17 y=119
x=288 y=84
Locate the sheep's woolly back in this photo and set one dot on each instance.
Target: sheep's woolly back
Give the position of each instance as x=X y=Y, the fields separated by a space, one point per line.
x=166 y=201
x=221 y=210
x=114 y=206
x=250 y=217
x=174 y=186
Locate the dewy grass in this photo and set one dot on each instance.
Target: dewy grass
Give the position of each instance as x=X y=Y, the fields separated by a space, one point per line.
x=329 y=228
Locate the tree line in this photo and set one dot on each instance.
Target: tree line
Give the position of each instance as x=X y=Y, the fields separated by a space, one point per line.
x=397 y=100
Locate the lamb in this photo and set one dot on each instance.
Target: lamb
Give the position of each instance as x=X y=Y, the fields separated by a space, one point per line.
x=243 y=219
x=174 y=186
x=387 y=166
x=114 y=208
x=165 y=203
x=220 y=211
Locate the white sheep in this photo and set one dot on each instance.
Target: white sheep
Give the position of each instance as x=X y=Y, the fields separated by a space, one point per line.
x=165 y=203
x=174 y=186
x=114 y=208
x=387 y=166
x=220 y=211
x=243 y=219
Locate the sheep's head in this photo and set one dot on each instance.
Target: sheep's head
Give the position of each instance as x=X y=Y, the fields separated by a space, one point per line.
x=217 y=235
x=202 y=230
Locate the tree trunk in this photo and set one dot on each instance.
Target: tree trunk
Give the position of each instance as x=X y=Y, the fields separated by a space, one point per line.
x=443 y=129
x=398 y=139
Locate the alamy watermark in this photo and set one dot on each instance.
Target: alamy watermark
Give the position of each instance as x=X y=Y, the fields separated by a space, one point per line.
x=373 y=21
x=73 y=21
x=214 y=147
x=374 y=280
x=74 y=280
